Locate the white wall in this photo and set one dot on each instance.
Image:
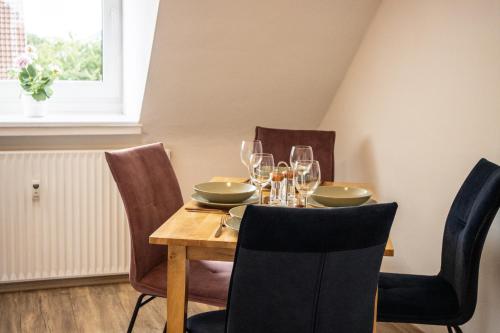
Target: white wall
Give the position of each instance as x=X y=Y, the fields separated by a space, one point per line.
x=221 y=67
x=420 y=104
x=139 y=22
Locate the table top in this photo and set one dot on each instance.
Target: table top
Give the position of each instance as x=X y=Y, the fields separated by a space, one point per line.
x=198 y=229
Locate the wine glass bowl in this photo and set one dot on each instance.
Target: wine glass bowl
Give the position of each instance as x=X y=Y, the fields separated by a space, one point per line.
x=307 y=177
x=261 y=167
x=300 y=153
x=247 y=149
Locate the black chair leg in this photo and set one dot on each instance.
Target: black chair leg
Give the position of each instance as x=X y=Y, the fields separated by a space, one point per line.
x=136 y=310
x=452 y=328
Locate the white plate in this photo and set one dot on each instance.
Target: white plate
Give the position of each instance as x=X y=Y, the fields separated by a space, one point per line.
x=233 y=223
x=237 y=211
x=201 y=200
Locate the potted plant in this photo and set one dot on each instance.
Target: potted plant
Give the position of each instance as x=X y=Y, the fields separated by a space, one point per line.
x=35 y=82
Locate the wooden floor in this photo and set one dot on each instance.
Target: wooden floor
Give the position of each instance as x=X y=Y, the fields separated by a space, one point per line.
x=105 y=308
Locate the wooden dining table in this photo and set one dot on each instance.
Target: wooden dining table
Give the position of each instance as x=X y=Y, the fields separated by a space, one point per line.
x=190 y=235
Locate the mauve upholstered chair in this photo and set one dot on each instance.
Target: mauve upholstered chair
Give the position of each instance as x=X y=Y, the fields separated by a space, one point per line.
x=448 y=298
x=304 y=271
x=151 y=194
x=279 y=142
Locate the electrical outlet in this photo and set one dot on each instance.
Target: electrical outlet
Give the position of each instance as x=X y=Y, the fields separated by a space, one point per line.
x=35 y=189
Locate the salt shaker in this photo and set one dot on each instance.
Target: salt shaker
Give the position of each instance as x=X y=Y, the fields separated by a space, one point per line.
x=291 y=199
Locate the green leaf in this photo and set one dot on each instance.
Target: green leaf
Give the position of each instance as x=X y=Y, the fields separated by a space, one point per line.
x=47 y=80
x=27 y=89
x=31 y=70
x=26 y=81
x=23 y=74
x=48 y=91
x=39 y=96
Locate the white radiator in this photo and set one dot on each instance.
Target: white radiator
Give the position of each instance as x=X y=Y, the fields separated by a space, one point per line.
x=77 y=227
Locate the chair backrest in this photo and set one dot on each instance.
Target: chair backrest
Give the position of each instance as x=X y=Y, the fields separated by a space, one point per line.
x=467 y=225
x=279 y=142
x=307 y=270
x=151 y=194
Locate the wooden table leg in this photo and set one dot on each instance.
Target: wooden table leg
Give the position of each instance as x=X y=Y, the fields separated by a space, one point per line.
x=375 y=313
x=177 y=289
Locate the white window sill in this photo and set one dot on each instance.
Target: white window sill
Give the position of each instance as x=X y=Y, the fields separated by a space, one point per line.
x=53 y=125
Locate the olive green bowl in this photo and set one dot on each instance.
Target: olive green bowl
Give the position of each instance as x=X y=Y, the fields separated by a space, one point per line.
x=341 y=196
x=225 y=192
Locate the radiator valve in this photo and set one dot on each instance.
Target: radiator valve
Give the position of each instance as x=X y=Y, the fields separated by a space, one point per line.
x=35 y=189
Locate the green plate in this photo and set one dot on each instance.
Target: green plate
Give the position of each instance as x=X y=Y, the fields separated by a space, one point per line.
x=313 y=203
x=341 y=196
x=237 y=211
x=225 y=192
x=201 y=200
x=233 y=223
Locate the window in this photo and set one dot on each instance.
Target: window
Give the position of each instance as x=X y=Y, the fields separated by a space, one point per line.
x=81 y=37
x=76 y=49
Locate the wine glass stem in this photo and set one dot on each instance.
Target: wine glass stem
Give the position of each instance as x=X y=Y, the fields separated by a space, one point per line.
x=249 y=174
x=305 y=200
x=261 y=201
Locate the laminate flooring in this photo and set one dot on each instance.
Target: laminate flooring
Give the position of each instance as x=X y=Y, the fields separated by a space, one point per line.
x=95 y=309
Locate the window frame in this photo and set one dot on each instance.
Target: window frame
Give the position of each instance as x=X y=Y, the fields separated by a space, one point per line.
x=84 y=97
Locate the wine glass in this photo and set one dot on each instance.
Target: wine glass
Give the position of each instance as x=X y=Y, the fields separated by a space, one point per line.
x=261 y=169
x=247 y=149
x=301 y=153
x=306 y=177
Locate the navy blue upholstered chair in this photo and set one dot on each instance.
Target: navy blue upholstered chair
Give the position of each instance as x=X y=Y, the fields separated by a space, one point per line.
x=448 y=298
x=304 y=270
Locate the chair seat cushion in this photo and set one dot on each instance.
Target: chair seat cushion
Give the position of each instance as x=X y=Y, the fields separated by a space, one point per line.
x=207 y=322
x=416 y=299
x=208 y=281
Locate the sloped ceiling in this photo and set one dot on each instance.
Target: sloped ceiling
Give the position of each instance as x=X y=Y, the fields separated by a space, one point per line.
x=221 y=67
